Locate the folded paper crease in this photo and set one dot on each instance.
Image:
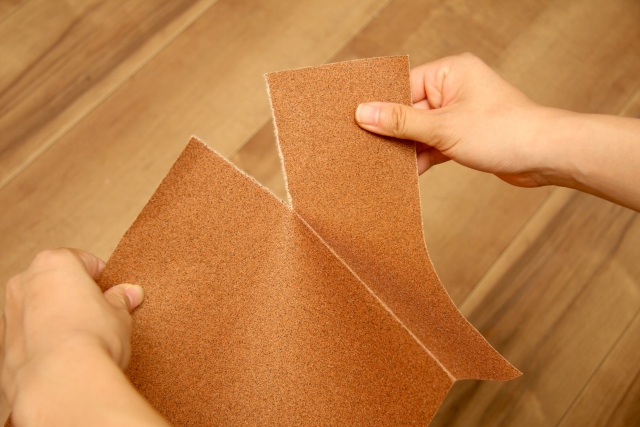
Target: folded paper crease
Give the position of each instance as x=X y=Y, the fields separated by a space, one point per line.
x=328 y=312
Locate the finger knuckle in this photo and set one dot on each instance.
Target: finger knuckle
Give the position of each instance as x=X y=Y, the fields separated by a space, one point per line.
x=468 y=56
x=397 y=122
x=13 y=286
x=119 y=336
x=50 y=257
x=116 y=346
x=117 y=298
x=127 y=322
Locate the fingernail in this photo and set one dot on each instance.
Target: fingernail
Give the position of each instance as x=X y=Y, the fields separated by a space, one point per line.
x=367 y=114
x=135 y=293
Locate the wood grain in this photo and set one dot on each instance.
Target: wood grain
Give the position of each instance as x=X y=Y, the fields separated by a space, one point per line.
x=631 y=108
x=611 y=396
x=83 y=51
x=554 y=313
x=88 y=187
x=7 y=7
x=464 y=210
x=260 y=158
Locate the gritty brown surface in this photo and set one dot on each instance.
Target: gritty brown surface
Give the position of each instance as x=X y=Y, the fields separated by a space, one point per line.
x=359 y=191
x=251 y=319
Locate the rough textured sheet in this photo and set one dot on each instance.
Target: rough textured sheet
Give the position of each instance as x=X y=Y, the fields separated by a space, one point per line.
x=251 y=319
x=360 y=193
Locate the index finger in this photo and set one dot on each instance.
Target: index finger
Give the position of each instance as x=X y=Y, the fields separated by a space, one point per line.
x=92 y=263
x=427 y=81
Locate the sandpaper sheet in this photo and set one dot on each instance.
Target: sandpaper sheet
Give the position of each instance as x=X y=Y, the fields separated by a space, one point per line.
x=326 y=313
x=359 y=191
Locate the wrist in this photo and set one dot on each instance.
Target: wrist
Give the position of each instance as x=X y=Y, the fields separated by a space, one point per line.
x=594 y=153
x=77 y=385
x=557 y=131
x=40 y=383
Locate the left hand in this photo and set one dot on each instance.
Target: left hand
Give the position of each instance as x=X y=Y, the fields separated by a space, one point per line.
x=54 y=308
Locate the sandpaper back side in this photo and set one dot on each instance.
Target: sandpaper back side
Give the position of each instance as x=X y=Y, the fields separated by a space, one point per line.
x=249 y=319
x=359 y=191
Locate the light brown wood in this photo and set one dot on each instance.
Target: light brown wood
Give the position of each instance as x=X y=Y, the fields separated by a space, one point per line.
x=550 y=276
x=631 y=108
x=612 y=394
x=573 y=32
x=597 y=401
x=480 y=211
x=555 y=313
x=7 y=7
x=260 y=158
x=54 y=77
x=534 y=230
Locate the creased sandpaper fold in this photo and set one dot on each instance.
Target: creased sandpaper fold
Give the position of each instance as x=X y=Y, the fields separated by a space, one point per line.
x=328 y=312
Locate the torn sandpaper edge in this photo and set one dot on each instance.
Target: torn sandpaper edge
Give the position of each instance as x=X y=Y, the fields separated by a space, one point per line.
x=326 y=313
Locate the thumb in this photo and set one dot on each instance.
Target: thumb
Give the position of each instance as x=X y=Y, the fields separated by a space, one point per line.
x=125 y=296
x=397 y=120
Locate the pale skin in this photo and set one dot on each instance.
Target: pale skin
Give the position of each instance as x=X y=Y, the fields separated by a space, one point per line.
x=65 y=343
x=465 y=112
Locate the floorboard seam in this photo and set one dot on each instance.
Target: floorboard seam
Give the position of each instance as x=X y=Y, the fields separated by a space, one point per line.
x=593 y=374
x=509 y=246
x=553 y=327
x=14 y=10
x=39 y=152
x=331 y=59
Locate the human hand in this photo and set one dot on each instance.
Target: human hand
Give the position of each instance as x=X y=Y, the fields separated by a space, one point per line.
x=466 y=112
x=55 y=308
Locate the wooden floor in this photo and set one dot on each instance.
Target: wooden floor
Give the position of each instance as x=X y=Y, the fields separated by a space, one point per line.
x=97 y=99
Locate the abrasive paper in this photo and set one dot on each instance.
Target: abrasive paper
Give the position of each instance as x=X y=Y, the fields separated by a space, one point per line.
x=329 y=313
x=359 y=192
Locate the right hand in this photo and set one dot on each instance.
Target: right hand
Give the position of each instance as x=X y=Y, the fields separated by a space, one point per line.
x=464 y=111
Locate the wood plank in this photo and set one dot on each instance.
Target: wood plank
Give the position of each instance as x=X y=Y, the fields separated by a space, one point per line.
x=597 y=401
x=81 y=53
x=469 y=218
x=594 y=34
x=428 y=30
x=261 y=159
x=631 y=108
x=533 y=231
x=555 y=313
x=577 y=344
x=7 y=7
x=88 y=187
x=611 y=396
